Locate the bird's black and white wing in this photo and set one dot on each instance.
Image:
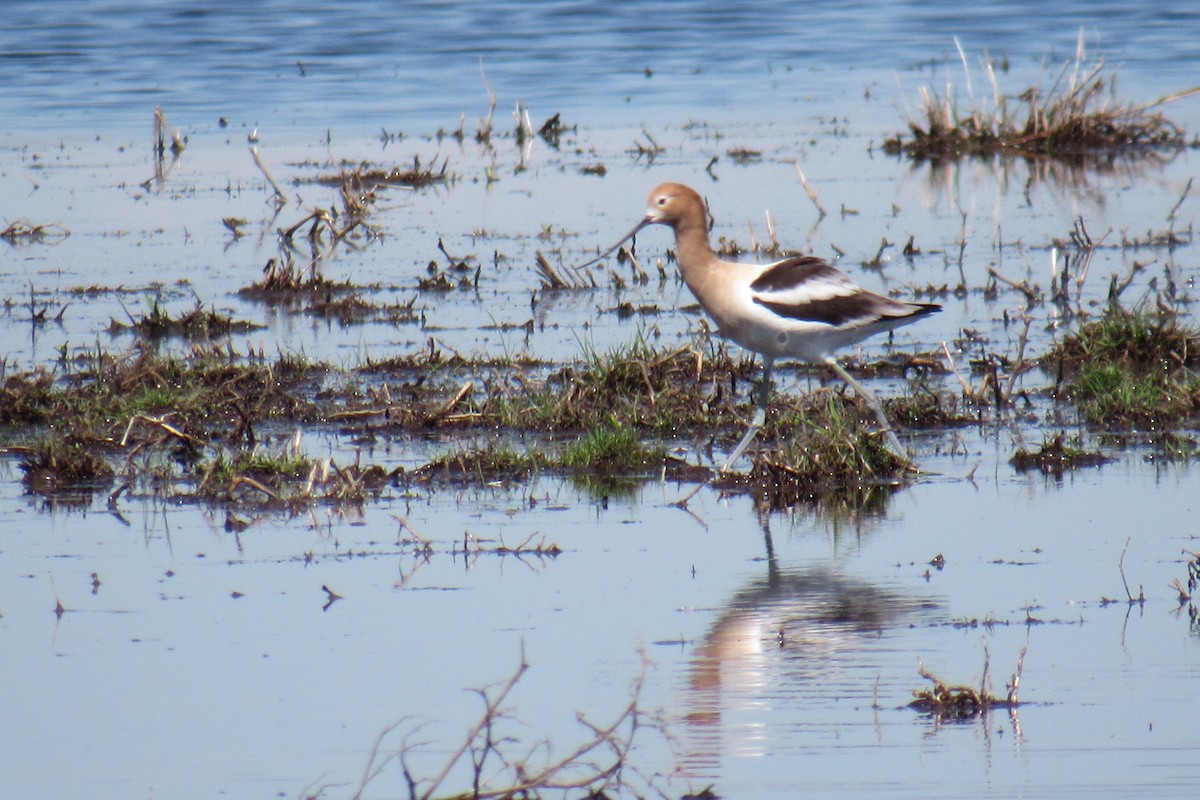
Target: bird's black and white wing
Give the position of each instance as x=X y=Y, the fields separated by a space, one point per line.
x=809 y=289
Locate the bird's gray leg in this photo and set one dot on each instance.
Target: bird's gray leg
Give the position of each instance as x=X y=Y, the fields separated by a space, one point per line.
x=873 y=402
x=760 y=415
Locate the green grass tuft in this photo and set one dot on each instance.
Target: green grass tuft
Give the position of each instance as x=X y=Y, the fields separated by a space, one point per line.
x=1131 y=368
x=827 y=453
x=609 y=448
x=489 y=463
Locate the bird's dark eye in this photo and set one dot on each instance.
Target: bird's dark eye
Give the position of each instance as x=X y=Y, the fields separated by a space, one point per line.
x=662 y=201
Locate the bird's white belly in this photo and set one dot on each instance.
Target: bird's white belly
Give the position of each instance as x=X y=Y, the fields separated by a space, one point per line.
x=806 y=341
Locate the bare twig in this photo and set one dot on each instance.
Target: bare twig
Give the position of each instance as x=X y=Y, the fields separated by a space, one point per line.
x=1141 y=598
x=1022 y=285
x=244 y=480
x=596 y=764
x=1018 y=365
x=483 y=134
x=161 y=423
x=1015 y=684
x=1174 y=212
x=813 y=194
x=968 y=392
x=280 y=197
x=492 y=705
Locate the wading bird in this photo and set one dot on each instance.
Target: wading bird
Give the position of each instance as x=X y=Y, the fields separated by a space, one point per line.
x=800 y=307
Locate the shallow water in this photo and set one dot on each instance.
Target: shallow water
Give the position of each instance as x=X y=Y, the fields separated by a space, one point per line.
x=264 y=692
x=782 y=650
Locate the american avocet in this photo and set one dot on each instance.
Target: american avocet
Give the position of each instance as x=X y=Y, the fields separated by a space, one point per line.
x=800 y=307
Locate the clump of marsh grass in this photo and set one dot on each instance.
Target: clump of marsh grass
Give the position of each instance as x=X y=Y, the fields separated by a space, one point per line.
x=363 y=179
x=200 y=426
x=58 y=463
x=1055 y=457
x=262 y=465
x=928 y=408
x=1076 y=115
x=284 y=276
x=946 y=702
x=1130 y=367
x=824 y=451
x=610 y=448
x=358 y=188
x=195 y=323
x=553 y=128
x=668 y=392
x=162 y=416
x=285 y=477
x=324 y=228
x=490 y=463
x=96 y=394
x=304 y=289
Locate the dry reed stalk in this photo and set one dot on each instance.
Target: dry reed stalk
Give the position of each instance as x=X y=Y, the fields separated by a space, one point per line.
x=280 y=197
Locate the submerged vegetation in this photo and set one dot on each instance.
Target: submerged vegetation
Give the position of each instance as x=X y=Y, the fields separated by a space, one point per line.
x=57 y=464
x=25 y=232
x=493 y=462
x=195 y=323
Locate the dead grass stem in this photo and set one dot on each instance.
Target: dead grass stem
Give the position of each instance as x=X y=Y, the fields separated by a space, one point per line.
x=280 y=198
x=24 y=232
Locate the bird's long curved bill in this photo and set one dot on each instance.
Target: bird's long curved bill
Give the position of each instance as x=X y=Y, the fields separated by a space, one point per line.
x=623 y=240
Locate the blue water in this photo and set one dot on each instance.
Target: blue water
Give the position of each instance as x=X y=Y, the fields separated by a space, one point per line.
x=365 y=65
x=203 y=663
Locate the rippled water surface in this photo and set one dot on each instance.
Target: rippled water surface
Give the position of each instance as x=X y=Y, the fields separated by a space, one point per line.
x=194 y=654
x=361 y=65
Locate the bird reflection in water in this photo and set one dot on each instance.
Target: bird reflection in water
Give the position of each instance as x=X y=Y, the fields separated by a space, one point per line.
x=790 y=636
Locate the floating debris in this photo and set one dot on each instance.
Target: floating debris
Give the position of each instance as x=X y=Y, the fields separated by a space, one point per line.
x=946 y=702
